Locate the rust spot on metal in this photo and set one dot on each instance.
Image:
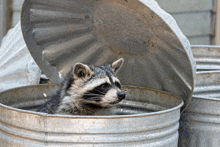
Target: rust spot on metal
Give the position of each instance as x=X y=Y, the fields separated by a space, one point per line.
x=123 y=51
x=152 y=44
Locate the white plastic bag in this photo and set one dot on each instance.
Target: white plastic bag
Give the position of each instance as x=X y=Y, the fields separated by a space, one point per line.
x=17 y=67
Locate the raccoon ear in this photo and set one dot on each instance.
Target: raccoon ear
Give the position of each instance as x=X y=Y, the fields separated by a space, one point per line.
x=117 y=65
x=81 y=70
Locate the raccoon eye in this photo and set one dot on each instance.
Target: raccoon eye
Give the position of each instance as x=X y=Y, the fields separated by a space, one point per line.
x=118 y=84
x=103 y=86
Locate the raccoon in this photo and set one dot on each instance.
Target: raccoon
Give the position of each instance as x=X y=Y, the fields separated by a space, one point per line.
x=86 y=90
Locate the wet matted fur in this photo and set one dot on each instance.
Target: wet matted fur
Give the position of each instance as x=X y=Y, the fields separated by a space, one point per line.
x=86 y=90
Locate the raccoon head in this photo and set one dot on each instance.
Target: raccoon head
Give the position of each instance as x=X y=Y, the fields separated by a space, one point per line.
x=97 y=86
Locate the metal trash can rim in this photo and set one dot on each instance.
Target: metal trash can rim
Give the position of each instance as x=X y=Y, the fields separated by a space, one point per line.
x=100 y=116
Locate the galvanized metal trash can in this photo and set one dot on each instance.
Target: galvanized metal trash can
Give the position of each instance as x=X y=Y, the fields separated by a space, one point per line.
x=207 y=57
x=157 y=55
x=146 y=118
x=200 y=122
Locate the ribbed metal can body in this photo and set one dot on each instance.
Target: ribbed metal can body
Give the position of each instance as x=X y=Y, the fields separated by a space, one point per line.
x=207 y=57
x=200 y=122
x=151 y=119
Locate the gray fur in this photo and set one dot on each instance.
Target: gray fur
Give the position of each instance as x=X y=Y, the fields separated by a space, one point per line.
x=81 y=79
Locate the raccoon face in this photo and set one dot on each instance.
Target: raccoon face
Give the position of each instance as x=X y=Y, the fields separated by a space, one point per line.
x=105 y=93
x=97 y=86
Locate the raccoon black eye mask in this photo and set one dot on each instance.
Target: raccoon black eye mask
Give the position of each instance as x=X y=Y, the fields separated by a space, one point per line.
x=86 y=90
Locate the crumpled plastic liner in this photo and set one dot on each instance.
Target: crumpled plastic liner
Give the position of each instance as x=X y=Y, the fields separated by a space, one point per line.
x=17 y=67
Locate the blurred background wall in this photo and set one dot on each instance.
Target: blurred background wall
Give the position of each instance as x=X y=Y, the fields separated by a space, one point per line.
x=5 y=17
x=196 y=18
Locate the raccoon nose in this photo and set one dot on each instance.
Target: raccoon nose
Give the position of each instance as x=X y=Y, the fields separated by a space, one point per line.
x=121 y=95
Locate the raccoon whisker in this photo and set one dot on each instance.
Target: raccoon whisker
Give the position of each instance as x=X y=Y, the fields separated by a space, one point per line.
x=93 y=99
x=92 y=93
x=125 y=91
x=87 y=94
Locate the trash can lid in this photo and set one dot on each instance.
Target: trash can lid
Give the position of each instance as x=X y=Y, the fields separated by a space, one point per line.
x=157 y=54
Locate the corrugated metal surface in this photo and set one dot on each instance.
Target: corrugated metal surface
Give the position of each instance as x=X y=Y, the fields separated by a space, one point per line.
x=149 y=127
x=200 y=122
x=207 y=57
x=208 y=84
x=200 y=15
x=157 y=54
